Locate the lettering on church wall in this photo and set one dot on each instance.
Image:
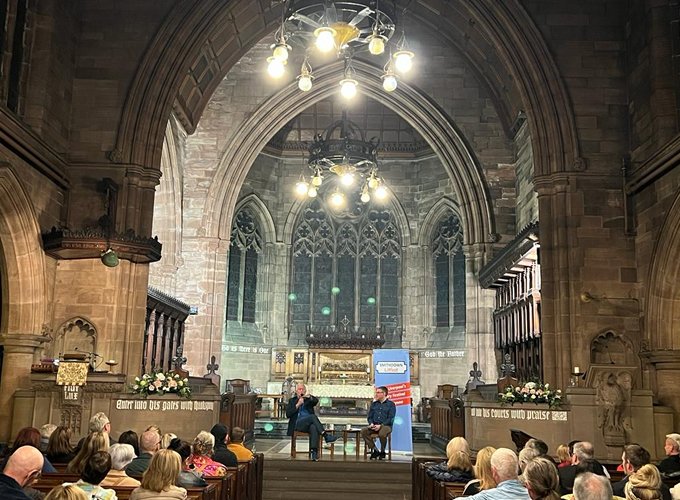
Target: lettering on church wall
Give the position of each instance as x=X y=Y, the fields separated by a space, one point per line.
x=518 y=414
x=159 y=405
x=457 y=353
x=246 y=349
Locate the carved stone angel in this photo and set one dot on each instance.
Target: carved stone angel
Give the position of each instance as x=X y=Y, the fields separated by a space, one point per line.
x=613 y=405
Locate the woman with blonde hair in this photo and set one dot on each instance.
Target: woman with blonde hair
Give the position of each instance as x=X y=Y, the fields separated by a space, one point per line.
x=199 y=461
x=644 y=484
x=484 y=478
x=94 y=442
x=563 y=456
x=66 y=491
x=159 y=480
x=541 y=479
x=458 y=467
x=166 y=438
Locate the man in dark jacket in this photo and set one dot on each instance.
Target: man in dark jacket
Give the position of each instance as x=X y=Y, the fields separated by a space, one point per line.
x=300 y=412
x=581 y=461
x=635 y=456
x=23 y=467
x=380 y=421
x=221 y=453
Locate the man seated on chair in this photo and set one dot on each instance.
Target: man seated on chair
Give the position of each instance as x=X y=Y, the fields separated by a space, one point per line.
x=380 y=420
x=300 y=411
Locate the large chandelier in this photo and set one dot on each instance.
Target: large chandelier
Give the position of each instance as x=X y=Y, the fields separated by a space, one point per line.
x=345 y=28
x=342 y=160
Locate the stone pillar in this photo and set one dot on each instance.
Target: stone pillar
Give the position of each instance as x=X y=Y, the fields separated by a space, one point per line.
x=666 y=364
x=19 y=353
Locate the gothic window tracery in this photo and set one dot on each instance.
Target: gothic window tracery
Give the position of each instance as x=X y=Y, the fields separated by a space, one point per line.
x=244 y=251
x=345 y=266
x=449 y=265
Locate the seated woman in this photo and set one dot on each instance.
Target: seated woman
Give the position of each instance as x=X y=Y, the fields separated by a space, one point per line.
x=130 y=437
x=66 y=492
x=166 y=439
x=96 y=468
x=541 y=480
x=458 y=468
x=484 y=477
x=28 y=436
x=199 y=461
x=563 y=456
x=187 y=478
x=159 y=479
x=645 y=484
x=59 y=447
x=94 y=442
x=121 y=456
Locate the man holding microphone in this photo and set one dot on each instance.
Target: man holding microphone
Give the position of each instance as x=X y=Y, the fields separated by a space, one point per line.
x=300 y=412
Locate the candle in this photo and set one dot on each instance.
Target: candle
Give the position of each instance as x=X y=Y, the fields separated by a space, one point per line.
x=577 y=370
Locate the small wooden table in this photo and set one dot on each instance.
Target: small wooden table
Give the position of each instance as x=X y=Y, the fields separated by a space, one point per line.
x=345 y=435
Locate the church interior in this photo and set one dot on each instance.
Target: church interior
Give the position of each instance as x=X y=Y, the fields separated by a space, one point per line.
x=489 y=186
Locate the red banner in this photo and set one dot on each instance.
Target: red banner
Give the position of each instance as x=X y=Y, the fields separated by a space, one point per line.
x=400 y=394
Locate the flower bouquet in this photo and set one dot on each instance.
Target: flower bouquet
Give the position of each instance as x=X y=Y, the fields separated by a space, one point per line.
x=531 y=392
x=161 y=383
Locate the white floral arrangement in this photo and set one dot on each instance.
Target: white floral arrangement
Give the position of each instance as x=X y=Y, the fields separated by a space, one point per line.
x=161 y=383
x=531 y=392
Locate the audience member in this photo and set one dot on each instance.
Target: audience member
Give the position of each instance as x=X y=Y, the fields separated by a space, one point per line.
x=220 y=452
x=581 y=450
x=540 y=478
x=634 y=457
x=380 y=418
x=148 y=445
x=159 y=479
x=186 y=478
x=484 y=478
x=95 y=470
x=28 y=436
x=59 y=447
x=23 y=467
x=458 y=468
x=200 y=462
x=644 y=484
x=504 y=467
x=525 y=456
x=45 y=433
x=671 y=463
x=67 y=491
x=121 y=456
x=166 y=438
x=237 y=447
x=99 y=422
x=130 y=437
x=154 y=428
x=589 y=486
x=93 y=442
x=563 y=455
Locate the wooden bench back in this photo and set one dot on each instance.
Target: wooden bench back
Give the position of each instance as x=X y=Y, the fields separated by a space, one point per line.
x=124 y=492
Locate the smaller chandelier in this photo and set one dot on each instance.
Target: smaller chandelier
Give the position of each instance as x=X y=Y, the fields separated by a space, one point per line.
x=344 y=28
x=343 y=151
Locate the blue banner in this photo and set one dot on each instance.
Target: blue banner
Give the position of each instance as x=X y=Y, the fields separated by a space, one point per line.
x=392 y=370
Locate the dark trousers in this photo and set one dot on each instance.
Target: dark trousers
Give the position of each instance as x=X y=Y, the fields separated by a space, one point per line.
x=311 y=425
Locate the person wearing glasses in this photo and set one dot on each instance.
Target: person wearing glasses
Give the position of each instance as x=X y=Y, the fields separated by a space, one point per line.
x=380 y=421
x=22 y=469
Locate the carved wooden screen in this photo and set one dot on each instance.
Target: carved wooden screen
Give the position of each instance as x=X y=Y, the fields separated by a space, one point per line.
x=246 y=245
x=345 y=268
x=517 y=324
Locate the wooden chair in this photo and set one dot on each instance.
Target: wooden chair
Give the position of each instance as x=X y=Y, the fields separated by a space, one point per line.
x=374 y=436
x=294 y=437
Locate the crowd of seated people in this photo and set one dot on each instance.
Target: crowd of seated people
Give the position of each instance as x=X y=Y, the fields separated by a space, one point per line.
x=534 y=474
x=156 y=465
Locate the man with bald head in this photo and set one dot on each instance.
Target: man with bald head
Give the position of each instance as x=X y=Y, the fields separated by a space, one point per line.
x=22 y=468
x=504 y=467
x=149 y=443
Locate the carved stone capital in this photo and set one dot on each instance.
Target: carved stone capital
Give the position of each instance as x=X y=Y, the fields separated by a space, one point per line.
x=22 y=343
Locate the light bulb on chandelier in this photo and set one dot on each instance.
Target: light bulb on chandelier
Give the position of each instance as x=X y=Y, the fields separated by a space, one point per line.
x=275 y=68
x=301 y=188
x=325 y=38
x=337 y=199
x=403 y=60
x=380 y=192
x=376 y=44
x=348 y=88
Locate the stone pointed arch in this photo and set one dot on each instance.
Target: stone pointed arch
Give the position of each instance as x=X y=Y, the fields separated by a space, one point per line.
x=663 y=300
x=23 y=261
x=432 y=218
x=255 y=203
x=410 y=103
x=210 y=34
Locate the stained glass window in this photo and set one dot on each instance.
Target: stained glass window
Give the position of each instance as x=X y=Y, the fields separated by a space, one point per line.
x=245 y=248
x=345 y=265
x=449 y=271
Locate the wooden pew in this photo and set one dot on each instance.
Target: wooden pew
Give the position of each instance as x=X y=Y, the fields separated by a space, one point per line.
x=49 y=481
x=225 y=486
x=417 y=472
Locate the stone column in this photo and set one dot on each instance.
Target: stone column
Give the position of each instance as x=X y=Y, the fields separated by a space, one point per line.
x=666 y=364
x=19 y=353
